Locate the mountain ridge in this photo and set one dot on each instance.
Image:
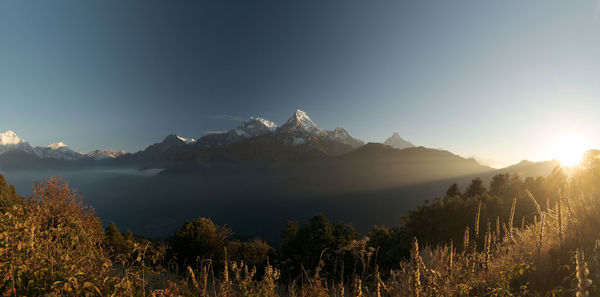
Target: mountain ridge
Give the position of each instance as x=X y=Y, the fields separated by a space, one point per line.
x=256 y=141
x=398 y=142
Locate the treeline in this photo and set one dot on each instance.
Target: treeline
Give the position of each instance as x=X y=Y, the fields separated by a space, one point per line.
x=447 y=218
x=513 y=237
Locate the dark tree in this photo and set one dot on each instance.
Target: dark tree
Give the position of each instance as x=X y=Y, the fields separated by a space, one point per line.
x=306 y=244
x=114 y=238
x=476 y=188
x=253 y=252
x=453 y=190
x=500 y=184
x=392 y=246
x=128 y=235
x=199 y=239
x=8 y=195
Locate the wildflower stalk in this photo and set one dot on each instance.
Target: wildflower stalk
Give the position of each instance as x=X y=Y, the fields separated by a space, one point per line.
x=511 y=219
x=358 y=287
x=450 y=259
x=532 y=199
x=559 y=214
x=488 y=243
x=415 y=286
x=466 y=239
x=477 y=220
x=582 y=272
x=497 y=235
x=541 y=237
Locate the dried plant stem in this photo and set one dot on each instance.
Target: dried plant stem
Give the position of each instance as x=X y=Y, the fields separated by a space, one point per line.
x=583 y=282
x=477 y=216
x=537 y=206
x=416 y=273
x=511 y=219
x=466 y=239
x=541 y=235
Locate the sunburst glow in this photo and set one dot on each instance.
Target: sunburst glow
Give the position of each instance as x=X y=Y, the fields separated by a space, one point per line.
x=569 y=150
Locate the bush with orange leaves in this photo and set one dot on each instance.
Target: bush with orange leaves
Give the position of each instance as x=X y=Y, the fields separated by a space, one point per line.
x=51 y=244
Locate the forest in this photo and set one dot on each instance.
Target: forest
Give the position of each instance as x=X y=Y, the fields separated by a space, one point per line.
x=514 y=237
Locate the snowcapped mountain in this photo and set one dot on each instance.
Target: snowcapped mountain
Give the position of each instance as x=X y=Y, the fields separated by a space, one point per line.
x=255 y=138
x=9 y=141
x=10 y=138
x=398 y=142
x=340 y=134
x=101 y=155
x=300 y=129
x=253 y=127
x=59 y=151
x=57 y=145
x=300 y=122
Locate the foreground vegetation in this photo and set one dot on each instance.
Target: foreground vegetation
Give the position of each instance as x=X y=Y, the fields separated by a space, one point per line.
x=520 y=237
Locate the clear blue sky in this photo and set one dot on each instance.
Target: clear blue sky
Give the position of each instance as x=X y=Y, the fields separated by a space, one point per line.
x=498 y=79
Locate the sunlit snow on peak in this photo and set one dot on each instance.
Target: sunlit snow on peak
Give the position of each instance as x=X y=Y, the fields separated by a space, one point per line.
x=57 y=145
x=187 y=140
x=9 y=137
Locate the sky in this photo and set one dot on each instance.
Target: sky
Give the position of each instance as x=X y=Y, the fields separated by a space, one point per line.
x=504 y=80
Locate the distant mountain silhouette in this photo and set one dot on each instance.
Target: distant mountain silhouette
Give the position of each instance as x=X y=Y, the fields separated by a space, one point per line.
x=378 y=166
x=319 y=168
x=398 y=142
x=529 y=168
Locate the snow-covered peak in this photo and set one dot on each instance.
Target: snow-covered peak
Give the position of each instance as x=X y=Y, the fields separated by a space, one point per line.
x=255 y=126
x=9 y=137
x=301 y=126
x=9 y=141
x=340 y=134
x=398 y=142
x=59 y=151
x=57 y=145
x=100 y=154
x=187 y=140
x=271 y=125
x=300 y=121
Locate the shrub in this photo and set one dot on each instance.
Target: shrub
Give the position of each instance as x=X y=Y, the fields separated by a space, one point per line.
x=52 y=244
x=197 y=240
x=253 y=252
x=8 y=195
x=307 y=244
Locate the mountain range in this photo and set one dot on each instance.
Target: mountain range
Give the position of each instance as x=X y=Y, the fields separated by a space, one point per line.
x=256 y=142
x=258 y=171
x=10 y=142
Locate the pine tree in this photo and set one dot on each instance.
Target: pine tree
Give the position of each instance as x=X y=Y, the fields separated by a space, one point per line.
x=114 y=238
x=128 y=235
x=476 y=188
x=453 y=191
x=8 y=195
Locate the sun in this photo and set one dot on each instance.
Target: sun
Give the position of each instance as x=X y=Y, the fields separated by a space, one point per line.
x=569 y=149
